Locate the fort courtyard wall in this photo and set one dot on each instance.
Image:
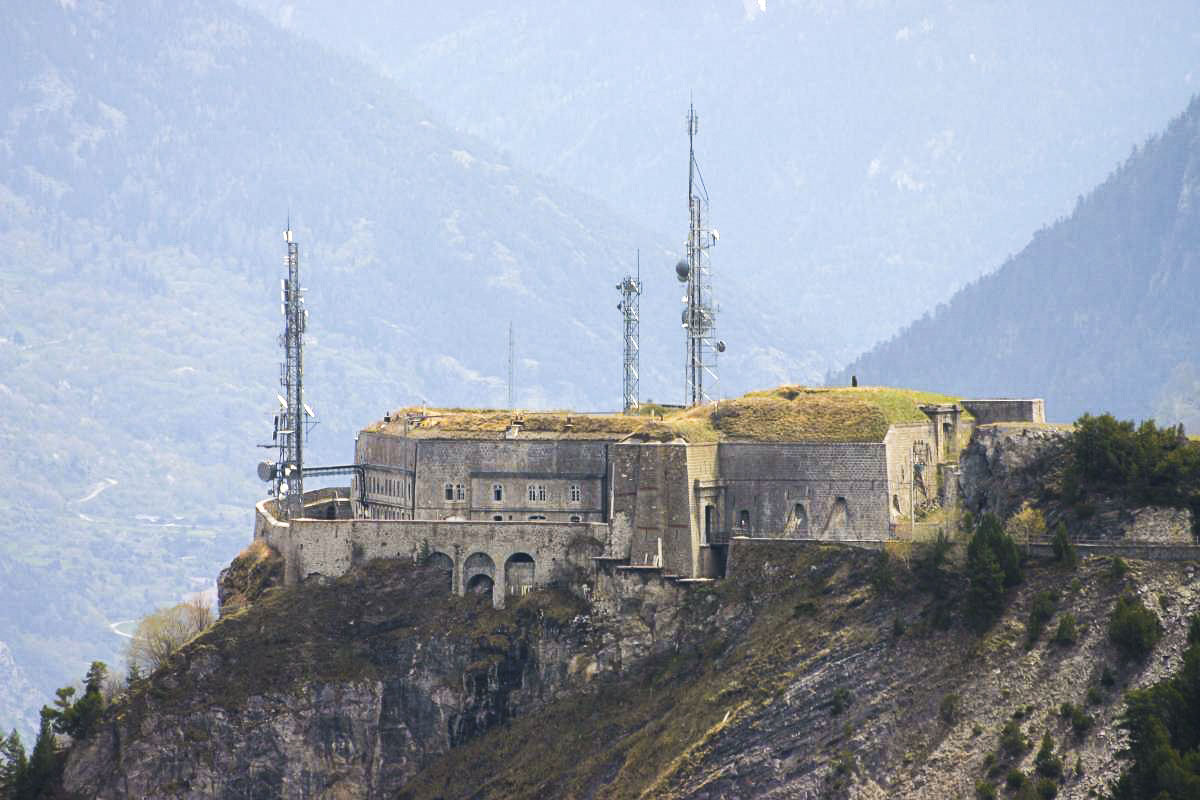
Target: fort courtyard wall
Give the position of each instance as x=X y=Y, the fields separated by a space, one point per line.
x=510 y=556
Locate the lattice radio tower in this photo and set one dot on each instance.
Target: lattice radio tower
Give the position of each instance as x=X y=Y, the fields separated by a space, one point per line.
x=699 y=318
x=630 y=307
x=294 y=417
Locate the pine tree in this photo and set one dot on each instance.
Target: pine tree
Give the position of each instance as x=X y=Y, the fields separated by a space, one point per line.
x=13 y=767
x=42 y=773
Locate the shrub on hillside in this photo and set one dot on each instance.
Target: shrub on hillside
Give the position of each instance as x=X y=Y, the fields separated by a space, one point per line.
x=1025 y=526
x=1064 y=549
x=165 y=631
x=1067 y=632
x=1040 y=613
x=993 y=565
x=1133 y=628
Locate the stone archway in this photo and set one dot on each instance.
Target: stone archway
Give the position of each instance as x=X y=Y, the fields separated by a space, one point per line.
x=445 y=564
x=518 y=574
x=479 y=574
x=481 y=585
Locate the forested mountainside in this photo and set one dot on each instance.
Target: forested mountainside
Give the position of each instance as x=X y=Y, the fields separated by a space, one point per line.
x=150 y=154
x=1098 y=310
x=865 y=159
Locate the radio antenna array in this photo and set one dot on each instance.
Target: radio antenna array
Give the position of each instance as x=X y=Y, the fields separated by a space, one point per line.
x=630 y=288
x=699 y=319
x=294 y=417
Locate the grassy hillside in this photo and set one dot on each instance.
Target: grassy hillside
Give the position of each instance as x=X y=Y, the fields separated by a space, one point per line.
x=783 y=414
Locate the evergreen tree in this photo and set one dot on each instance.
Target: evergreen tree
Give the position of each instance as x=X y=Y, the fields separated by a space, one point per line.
x=42 y=774
x=985 y=597
x=13 y=767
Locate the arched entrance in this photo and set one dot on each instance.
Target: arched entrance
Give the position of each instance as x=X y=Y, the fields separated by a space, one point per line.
x=479 y=574
x=518 y=574
x=443 y=563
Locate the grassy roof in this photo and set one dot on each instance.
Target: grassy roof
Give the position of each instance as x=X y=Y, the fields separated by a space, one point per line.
x=783 y=414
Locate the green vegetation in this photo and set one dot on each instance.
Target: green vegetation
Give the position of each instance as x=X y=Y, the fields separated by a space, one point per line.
x=1040 y=613
x=1064 y=549
x=948 y=709
x=1081 y=721
x=1067 y=632
x=985 y=790
x=993 y=565
x=842 y=698
x=1145 y=463
x=1012 y=741
x=1163 y=723
x=787 y=413
x=1133 y=628
x=38 y=776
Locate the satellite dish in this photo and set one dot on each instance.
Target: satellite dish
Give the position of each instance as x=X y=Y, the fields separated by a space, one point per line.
x=266 y=470
x=683 y=318
x=682 y=270
x=716 y=234
x=720 y=346
x=308 y=410
x=282 y=402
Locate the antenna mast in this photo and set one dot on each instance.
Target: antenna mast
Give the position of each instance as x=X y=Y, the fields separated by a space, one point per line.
x=630 y=307
x=291 y=423
x=511 y=385
x=700 y=312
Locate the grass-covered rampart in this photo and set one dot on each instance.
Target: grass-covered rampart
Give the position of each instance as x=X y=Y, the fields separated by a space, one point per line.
x=786 y=413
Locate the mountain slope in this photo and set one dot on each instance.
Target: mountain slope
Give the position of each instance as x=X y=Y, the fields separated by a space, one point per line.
x=1097 y=313
x=865 y=159
x=150 y=154
x=797 y=677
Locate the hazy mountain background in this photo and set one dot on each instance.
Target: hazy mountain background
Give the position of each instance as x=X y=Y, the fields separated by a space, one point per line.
x=865 y=158
x=449 y=170
x=149 y=155
x=1098 y=313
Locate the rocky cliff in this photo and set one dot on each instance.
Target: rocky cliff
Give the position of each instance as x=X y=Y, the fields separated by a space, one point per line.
x=1007 y=465
x=817 y=671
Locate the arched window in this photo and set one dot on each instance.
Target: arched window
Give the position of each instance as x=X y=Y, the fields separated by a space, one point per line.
x=497 y=518
x=497 y=492
x=449 y=491
x=532 y=493
x=576 y=518
x=744 y=519
x=541 y=492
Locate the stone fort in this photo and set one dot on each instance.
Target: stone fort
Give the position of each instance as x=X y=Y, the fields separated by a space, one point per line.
x=507 y=501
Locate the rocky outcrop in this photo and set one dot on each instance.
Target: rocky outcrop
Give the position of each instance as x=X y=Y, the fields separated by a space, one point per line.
x=347 y=688
x=1005 y=465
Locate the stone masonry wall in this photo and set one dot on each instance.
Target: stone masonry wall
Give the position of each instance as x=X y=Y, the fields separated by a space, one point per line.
x=655 y=494
x=331 y=547
x=478 y=465
x=899 y=443
x=840 y=488
x=987 y=412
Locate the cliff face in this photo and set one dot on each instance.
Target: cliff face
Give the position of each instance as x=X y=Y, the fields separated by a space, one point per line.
x=1007 y=465
x=347 y=688
x=814 y=672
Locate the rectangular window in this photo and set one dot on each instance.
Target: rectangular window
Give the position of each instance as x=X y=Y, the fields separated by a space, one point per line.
x=459 y=492
x=532 y=493
x=576 y=494
x=449 y=491
x=497 y=492
x=541 y=492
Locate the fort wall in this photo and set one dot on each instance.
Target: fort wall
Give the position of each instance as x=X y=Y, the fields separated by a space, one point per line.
x=1006 y=410
x=511 y=556
x=796 y=490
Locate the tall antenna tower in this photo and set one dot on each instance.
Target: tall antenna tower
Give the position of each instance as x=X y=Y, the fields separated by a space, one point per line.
x=699 y=318
x=630 y=307
x=292 y=421
x=511 y=385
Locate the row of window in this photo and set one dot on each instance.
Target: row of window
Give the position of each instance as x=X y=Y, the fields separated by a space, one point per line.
x=388 y=486
x=535 y=517
x=383 y=512
x=536 y=492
